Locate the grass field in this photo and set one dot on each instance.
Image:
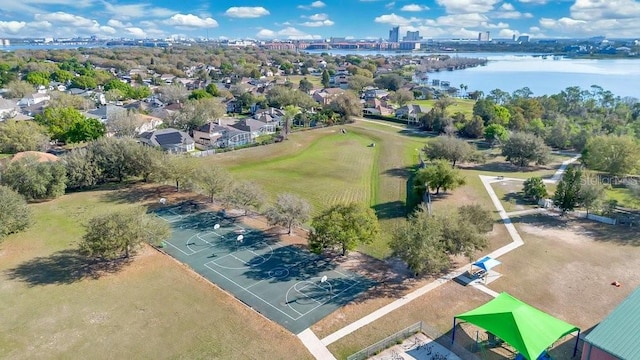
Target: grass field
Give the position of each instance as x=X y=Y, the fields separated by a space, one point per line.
x=464 y=106
x=327 y=167
x=334 y=168
x=3 y=156
x=53 y=306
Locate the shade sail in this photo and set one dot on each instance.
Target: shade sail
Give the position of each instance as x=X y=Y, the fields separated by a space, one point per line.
x=487 y=263
x=527 y=329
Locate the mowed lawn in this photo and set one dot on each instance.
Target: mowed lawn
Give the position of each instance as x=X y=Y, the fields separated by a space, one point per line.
x=327 y=167
x=332 y=168
x=153 y=307
x=464 y=106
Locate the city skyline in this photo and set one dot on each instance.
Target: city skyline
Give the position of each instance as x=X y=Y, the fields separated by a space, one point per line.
x=315 y=20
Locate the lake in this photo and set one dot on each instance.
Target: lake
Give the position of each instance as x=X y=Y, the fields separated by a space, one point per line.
x=543 y=75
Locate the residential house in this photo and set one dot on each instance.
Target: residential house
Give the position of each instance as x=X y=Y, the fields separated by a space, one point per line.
x=255 y=127
x=270 y=115
x=412 y=113
x=214 y=134
x=105 y=113
x=147 y=123
x=167 y=78
x=33 y=99
x=375 y=93
x=167 y=111
x=171 y=140
x=377 y=107
x=616 y=337
x=8 y=108
x=233 y=106
x=326 y=96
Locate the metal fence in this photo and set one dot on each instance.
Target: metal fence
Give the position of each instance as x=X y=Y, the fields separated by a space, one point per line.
x=203 y=153
x=387 y=342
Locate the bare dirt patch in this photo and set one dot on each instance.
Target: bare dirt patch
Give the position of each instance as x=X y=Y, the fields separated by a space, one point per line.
x=566 y=267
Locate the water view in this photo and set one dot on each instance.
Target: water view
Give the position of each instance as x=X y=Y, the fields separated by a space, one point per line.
x=542 y=74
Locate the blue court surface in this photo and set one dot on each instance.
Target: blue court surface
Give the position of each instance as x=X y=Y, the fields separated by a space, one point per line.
x=287 y=284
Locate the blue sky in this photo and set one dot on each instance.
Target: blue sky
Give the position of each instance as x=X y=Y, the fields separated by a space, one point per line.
x=297 y=19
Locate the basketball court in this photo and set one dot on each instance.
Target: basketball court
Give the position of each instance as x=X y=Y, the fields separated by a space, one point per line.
x=290 y=286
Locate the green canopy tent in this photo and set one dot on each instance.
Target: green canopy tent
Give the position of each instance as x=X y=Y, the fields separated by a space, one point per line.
x=527 y=329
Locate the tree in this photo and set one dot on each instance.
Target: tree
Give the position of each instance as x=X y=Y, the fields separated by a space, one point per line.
x=38 y=78
x=212 y=180
x=199 y=94
x=325 y=78
x=82 y=170
x=84 y=82
x=61 y=76
x=288 y=210
x=84 y=130
x=391 y=82
x=418 y=243
x=19 y=89
x=567 y=194
x=305 y=85
x=121 y=232
x=124 y=123
x=247 y=196
x=495 y=133
x=174 y=92
x=449 y=148
x=196 y=113
x=523 y=148
x=437 y=175
x=474 y=128
x=15 y=215
x=18 y=136
x=290 y=112
x=443 y=103
x=35 y=180
x=402 y=97
x=359 y=82
x=426 y=241
x=592 y=194
x=179 y=169
x=69 y=125
x=347 y=105
x=343 y=226
x=535 y=189
x=616 y=155
x=63 y=100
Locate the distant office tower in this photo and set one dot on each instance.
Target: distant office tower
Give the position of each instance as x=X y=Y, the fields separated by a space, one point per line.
x=523 y=38
x=394 y=34
x=484 y=36
x=412 y=36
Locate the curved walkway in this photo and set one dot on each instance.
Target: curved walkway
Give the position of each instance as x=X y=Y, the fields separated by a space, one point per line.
x=318 y=347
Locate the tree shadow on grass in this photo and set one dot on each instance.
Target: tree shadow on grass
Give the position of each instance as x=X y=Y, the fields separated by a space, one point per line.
x=141 y=194
x=411 y=132
x=390 y=210
x=63 y=267
x=403 y=172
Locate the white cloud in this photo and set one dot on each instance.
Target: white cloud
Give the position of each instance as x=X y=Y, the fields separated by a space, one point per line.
x=605 y=9
x=313 y=5
x=136 y=10
x=414 y=8
x=466 y=6
x=107 y=30
x=246 y=12
x=191 y=21
x=117 y=24
x=319 y=17
x=390 y=5
x=507 y=7
x=536 y=2
x=393 y=19
x=290 y=33
x=136 y=32
x=317 y=23
x=60 y=17
x=11 y=27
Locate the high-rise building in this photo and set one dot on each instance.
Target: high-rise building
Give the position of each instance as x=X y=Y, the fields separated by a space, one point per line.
x=394 y=34
x=484 y=36
x=412 y=36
